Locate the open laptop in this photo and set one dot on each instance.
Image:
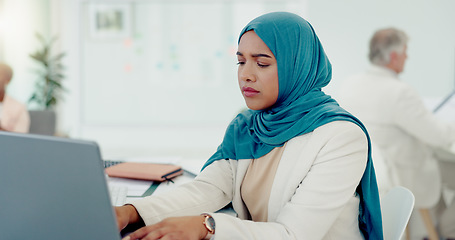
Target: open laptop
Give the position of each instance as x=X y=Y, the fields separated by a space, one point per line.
x=53 y=188
x=445 y=110
x=446 y=100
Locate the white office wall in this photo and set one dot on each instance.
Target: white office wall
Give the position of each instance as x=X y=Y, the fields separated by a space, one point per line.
x=167 y=86
x=345 y=28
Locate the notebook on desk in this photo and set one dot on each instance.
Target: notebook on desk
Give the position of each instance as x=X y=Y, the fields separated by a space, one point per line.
x=144 y=171
x=53 y=188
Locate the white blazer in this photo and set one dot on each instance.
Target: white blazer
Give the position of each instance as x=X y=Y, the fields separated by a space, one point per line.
x=312 y=196
x=401 y=127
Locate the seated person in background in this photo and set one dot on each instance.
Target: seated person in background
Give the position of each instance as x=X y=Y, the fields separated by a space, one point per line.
x=294 y=166
x=14 y=116
x=399 y=123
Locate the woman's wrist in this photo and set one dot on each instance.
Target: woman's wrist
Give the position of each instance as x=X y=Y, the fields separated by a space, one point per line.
x=133 y=215
x=209 y=225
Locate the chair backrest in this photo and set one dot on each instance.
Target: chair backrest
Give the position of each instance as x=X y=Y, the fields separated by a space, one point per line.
x=396 y=206
x=42 y=122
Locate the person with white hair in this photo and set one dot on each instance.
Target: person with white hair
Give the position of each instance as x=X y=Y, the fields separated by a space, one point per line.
x=14 y=116
x=400 y=125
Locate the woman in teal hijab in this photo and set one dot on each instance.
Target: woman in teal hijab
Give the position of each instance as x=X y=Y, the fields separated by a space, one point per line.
x=279 y=148
x=301 y=107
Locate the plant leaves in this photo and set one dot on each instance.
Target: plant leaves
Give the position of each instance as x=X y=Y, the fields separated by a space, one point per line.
x=49 y=86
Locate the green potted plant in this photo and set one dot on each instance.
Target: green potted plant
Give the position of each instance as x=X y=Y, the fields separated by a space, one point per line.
x=48 y=87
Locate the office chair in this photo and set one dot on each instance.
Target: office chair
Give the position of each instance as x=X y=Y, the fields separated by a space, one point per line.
x=396 y=206
x=42 y=122
x=387 y=178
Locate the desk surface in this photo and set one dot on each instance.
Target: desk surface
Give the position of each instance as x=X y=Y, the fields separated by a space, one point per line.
x=141 y=188
x=444 y=155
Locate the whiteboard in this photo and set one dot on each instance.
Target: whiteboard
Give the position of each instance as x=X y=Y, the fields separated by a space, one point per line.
x=163 y=63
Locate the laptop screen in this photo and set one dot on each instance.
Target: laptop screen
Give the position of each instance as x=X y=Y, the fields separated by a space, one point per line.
x=446 y=108
x=53 y=188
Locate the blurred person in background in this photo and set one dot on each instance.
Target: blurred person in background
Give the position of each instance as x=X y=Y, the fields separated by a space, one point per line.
x=401 y=127
x=14 y=116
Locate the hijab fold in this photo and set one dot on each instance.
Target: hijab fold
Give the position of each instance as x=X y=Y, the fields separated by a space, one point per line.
x=301 y=107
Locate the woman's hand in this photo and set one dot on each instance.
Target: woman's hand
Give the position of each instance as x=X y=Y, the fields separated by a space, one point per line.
x=126 y=214
x=190 y=228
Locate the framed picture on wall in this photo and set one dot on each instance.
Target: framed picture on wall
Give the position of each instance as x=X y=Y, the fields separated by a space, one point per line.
x=109 y=20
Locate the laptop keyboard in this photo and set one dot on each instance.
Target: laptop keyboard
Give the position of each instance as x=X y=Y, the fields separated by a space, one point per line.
x=118 y=194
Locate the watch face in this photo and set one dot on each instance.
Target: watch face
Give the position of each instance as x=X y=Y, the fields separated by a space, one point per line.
x=210 y=224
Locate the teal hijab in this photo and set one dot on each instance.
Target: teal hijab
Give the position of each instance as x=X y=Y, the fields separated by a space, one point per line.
x=301 y=107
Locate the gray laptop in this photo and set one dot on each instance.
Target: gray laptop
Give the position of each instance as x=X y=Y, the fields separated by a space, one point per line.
x=53 y=188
